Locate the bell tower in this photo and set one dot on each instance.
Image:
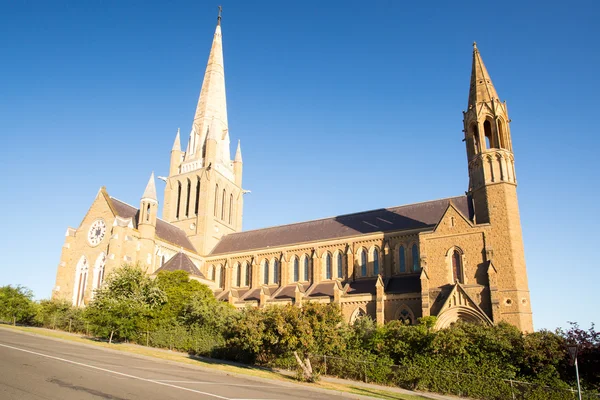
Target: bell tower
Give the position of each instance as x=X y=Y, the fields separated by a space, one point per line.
x=203 y=193
x=493 y=188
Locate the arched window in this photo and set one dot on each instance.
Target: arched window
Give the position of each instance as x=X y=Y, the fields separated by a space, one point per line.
x=340 y=265
x=247 y=274
x=363 y=262
x=265 y=266
x=148 y=213
x=187 y=201
x=197 y=196
x=328 y=266
x=98 y=272
x=357 y=314
x=296 y=268
x=457 y=270
x=415 y=258
x=502 y=135
x=211 y=273
x=223 y=205
x=80 y=281
x=405 y=315
x=238 y=275
x=375 y=262
x=217 y=200
x=475 y=133
x=401 y=259
x=230 y=208
x=489 y=139
x=305 y=268
x=178 y=199
x=275 y=264
x=220 y=276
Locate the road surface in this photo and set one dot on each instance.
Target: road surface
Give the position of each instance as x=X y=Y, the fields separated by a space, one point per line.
x=36 y=367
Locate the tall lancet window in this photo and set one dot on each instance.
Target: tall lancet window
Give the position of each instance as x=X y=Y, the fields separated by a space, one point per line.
x=305 y=268
x=187 y=201
x=265 y=266
x=457 y=269
x=401 y=259
x=415 y=258
x=296 y=268
x=197 y=196
x=178 y=199
x=363 y=262
x=223 y=206
x=340 y=265
x=328 y=267
x=375 y=262
x=275 y=263
x=217 y=200
x=230 y=208
x=81 y=272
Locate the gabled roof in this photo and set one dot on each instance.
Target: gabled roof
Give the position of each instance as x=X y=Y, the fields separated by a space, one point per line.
x=164 y=230
x=181 y=262
x=412 y=216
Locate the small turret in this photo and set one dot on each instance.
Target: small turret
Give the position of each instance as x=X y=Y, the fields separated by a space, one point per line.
x=148 y=210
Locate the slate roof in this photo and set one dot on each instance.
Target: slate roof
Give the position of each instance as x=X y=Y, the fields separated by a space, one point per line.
x=181 y=262
x=164 y=230
x=363 y=286
x=412 y=216
x=323 y=289
x=403 y=284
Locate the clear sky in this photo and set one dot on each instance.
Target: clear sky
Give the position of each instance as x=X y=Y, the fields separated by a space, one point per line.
x=341 y=106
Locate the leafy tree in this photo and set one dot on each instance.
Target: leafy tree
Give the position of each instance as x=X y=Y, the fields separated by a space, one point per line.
x=179 y=290
x=125 y=305
x=286 y=331
x=16 y=304
x=60 y=314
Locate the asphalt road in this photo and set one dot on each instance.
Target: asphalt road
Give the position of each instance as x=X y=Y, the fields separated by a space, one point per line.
x=36 y=367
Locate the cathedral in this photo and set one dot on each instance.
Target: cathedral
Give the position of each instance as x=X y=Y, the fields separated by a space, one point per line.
x=458 y=258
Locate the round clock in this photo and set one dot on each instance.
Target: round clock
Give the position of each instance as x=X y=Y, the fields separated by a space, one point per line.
x=96 y=232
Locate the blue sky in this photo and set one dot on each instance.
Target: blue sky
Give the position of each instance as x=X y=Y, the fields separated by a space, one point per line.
x=341 y=106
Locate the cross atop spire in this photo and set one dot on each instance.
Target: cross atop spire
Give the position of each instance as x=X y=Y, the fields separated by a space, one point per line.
x=219 y=17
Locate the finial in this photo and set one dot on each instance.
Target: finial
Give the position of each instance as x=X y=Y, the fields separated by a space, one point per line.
x=474 y=45
x=219 y=17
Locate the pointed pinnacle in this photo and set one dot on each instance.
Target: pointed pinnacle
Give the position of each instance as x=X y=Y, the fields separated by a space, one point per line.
x=238 y=153
x=177 y=142
x=150 y=192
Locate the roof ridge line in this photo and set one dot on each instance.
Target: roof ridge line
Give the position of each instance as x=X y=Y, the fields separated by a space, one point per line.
x=343 y=215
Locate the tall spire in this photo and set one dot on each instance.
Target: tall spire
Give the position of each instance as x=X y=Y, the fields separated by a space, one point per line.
x=150 y=192
x=212 y=103
x=481 y=89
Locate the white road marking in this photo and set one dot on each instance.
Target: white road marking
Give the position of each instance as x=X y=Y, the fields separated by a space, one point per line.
x=213 y=383
x=116 y=372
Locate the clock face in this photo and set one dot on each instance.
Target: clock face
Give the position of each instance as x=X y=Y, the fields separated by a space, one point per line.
x=96 y=232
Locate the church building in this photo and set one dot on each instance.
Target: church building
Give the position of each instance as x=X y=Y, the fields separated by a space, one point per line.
x=458 y=258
